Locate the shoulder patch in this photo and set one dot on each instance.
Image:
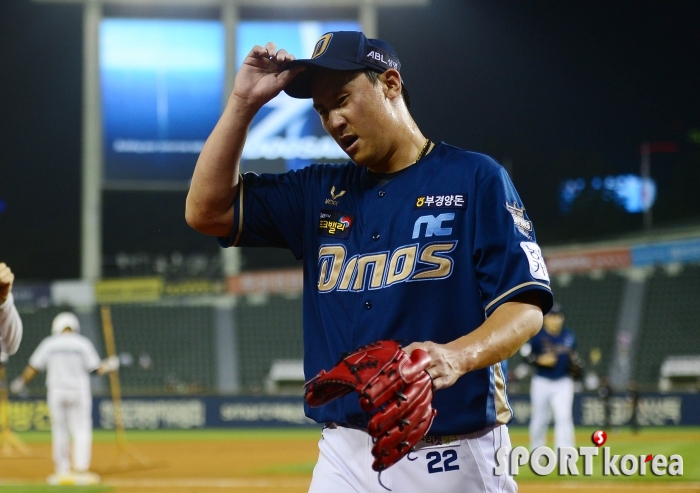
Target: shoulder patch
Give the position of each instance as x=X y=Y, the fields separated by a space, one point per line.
x=523 y=225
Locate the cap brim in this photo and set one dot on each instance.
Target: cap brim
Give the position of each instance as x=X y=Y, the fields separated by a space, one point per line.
x=300 y=86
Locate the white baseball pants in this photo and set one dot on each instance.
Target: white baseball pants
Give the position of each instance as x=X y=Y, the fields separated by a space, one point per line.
x=548 y=395
x=452 y=464
x=71 y=417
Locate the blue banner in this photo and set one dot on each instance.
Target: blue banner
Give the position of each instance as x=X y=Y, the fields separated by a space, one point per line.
x=653 y=409
x=32 y=294
x=151 y=413
x=667 y=252
x=203 y=412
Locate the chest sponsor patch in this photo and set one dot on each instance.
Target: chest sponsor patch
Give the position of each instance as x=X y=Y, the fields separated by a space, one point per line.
x=335 y=224
x=451 y=201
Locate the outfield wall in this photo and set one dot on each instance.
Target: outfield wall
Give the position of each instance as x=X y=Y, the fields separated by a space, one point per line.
x=148 y=413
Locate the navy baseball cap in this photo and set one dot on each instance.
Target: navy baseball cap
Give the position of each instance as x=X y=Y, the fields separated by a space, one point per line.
x=556 y=309
x=342 y=50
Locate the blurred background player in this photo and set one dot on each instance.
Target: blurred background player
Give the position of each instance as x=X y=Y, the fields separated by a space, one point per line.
x=10 y=322
x=68 y=359
x=553 y=352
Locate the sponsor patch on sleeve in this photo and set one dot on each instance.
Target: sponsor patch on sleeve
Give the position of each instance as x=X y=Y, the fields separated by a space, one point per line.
x=335 y=224
x=534 y=256
x=458 y=201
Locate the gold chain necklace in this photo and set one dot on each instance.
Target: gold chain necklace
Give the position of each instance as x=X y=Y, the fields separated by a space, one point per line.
x=424 y=150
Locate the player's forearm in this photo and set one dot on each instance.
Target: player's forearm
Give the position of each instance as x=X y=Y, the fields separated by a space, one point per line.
x=29 y=374
x=500 y=336
x=10 y=326
x=209 y=206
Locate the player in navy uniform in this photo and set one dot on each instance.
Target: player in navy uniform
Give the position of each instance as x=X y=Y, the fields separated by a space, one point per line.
x=412 y=240
x=553 y=352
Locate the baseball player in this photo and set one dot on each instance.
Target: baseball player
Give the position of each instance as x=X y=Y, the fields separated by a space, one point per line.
x=10 y=322
x=553 y=352
x=412 y=240
x=68 y=359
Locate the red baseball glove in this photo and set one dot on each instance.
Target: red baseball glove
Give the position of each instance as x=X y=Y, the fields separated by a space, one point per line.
x=394 y=389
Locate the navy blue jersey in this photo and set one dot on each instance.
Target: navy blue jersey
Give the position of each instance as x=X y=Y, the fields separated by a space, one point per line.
x=425 y=257
x=562 y=345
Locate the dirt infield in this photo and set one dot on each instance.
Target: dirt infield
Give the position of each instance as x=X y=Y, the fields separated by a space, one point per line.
x=247 y=463
x=188 y=467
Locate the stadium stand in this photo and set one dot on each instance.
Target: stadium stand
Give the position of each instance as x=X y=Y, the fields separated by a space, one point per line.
x=269 y=328
x=591 y=305
x=169 y=347
x=670 y=321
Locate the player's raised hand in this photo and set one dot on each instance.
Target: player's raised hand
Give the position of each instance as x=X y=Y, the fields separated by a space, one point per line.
x=6 y=280
x=263 y=75
x=444 y=366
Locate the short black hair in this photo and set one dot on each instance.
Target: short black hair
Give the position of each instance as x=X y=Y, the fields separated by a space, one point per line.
x=373 y=77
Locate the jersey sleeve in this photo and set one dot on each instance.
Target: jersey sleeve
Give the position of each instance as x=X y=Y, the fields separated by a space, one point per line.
x=38 y=359
x=507 y=258
x=10 y=327
x=269 y=211
x=91 y=359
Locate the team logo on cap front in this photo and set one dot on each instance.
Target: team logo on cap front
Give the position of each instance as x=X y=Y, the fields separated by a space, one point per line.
x=322 y=45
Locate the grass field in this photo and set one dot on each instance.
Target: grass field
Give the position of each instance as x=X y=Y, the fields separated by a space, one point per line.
x=281 y=461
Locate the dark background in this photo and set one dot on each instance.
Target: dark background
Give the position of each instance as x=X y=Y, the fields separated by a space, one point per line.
x=552 y=89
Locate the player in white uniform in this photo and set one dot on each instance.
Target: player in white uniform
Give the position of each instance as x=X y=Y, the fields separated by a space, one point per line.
x=10 y=322
x=68 y=359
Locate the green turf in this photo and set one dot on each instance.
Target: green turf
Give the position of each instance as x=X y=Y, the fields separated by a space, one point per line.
x=664 y=440
x=305 y=468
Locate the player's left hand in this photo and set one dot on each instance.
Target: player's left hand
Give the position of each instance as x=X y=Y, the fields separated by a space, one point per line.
x=445 y=366
x=111 y=363
x=6 y=280
x=18 y=387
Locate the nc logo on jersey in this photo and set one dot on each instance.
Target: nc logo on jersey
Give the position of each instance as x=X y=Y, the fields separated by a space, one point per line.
x=441 y=201
x=322 y=45
x=335 y=224
x=433 y=225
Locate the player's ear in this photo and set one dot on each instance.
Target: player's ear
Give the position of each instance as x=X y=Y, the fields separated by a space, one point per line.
x=391 y=79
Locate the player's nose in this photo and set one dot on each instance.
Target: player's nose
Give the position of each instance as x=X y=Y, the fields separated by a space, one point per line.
x=336 y=121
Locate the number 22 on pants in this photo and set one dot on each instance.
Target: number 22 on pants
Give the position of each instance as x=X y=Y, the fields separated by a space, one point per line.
x=438 y=462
